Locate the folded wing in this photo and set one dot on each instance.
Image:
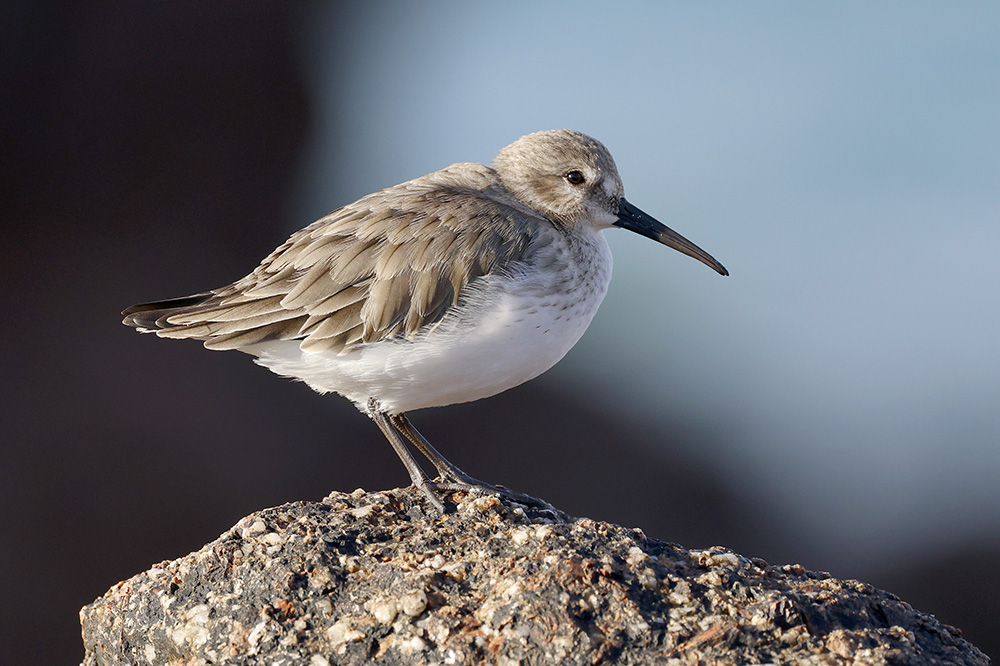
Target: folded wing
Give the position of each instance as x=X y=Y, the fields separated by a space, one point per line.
x=386 y=266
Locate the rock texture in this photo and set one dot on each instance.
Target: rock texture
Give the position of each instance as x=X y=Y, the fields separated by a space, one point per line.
x=374 y=578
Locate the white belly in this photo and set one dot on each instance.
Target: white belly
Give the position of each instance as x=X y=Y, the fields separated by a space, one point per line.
x=512 y=330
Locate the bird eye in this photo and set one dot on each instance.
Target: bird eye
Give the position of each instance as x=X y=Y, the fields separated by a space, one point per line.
x=575 y=177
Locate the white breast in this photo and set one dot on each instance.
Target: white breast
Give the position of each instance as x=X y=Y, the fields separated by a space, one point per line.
x=509 y=330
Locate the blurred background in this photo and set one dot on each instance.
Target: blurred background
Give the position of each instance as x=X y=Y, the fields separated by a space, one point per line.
x=834 y=402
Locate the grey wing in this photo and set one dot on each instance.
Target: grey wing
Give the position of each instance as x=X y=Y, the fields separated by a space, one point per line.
x=385 y=266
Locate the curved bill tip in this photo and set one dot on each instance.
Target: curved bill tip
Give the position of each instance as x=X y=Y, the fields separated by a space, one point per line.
x=634 y=219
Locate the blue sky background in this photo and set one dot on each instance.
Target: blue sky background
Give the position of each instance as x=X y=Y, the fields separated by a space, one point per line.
x=842 y=160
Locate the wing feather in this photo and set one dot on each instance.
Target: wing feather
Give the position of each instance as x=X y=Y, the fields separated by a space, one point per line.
x=339 y=300
x=386 y=306
x=236 y=312
x=315 y=285
x=334 y=324
x=276 y=331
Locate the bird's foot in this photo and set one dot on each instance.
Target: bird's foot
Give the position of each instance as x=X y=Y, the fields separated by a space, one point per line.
x=476 y=487
x=427 y=488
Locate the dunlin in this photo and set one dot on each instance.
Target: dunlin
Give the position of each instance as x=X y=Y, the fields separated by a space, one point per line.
x=448 y=288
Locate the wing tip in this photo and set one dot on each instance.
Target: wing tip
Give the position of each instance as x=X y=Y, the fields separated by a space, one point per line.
x=151 y=317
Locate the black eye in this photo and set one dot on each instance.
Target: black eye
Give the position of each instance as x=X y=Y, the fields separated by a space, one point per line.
x=574 y=177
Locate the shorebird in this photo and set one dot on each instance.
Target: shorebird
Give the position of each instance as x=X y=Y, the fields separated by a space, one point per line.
x=448 y=288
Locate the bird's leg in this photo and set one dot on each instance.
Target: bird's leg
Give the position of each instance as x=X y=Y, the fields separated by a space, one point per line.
x=453 y=477
x=448 y=470
x=417 y=475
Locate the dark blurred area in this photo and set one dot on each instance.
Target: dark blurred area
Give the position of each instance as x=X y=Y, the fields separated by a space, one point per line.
x=149 y=152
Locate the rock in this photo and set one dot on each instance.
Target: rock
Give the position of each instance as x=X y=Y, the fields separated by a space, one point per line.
x=374 y=578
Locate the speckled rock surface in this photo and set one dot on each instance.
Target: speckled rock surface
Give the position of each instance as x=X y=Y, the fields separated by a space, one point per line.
x=372 y=578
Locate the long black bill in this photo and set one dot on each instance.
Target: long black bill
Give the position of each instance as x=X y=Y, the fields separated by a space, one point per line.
x=633 y=219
